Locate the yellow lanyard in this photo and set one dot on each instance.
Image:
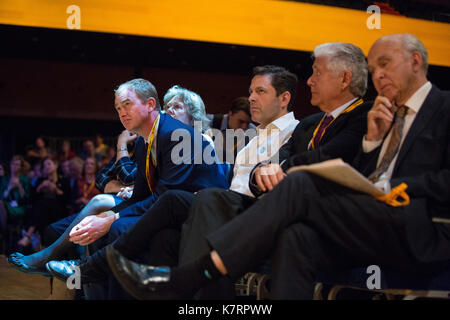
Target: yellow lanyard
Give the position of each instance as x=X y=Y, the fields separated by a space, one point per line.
x=87 y=191
x=348 y=109
x=150 y=143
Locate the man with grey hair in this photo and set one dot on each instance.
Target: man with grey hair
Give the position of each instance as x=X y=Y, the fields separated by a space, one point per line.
x=313 y=225
x=337 y=85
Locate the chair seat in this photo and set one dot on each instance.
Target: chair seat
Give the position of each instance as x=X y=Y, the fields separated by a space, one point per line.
x=392 y=283
x=390 y=279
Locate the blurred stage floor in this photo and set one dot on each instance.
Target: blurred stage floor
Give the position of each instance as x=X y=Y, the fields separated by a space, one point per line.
x=16 y=285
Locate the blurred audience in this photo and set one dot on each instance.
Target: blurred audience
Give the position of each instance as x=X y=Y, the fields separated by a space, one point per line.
x=34 y=174
x=39 y=151
x=14 y=194
x=88 y=149
x=110 y=154
x=101 y=148
x=66 y=152
x=50 y=197
x=86 y=184
x=2 y=170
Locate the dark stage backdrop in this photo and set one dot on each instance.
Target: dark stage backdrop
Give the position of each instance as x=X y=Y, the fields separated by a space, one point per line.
x=59 y=83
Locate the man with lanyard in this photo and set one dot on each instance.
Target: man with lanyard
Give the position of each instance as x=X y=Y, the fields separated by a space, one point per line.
x=159 y=170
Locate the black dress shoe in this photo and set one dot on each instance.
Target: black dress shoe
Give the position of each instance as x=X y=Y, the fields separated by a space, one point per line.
x=16 y=260
x=141 y=281
x=63 y=269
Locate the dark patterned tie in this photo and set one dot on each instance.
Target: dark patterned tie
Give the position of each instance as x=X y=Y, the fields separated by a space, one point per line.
x=393 y=146
x=325 y=122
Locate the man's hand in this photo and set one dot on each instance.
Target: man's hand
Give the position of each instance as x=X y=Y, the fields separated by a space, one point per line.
x=113 y=186
x=125 y=193
x=125 y=137
x=91 y=229
x=268 y=176
x=379 y=118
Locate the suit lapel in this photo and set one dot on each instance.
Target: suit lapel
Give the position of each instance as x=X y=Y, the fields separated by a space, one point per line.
x=426 y=112
x=334 y=127
x=306 y=133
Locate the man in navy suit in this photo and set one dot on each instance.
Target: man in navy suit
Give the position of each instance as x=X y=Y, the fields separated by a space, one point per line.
x=308 y=224
x=162 y=165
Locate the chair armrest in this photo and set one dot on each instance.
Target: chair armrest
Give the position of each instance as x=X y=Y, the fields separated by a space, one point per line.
x=441 y=220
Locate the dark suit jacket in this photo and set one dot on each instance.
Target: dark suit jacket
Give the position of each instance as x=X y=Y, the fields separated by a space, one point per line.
x=187 y=176
x=341 y=140
x=423 y=163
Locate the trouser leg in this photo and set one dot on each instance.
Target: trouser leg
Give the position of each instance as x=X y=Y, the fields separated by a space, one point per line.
x=342 y=217
x=169 y=211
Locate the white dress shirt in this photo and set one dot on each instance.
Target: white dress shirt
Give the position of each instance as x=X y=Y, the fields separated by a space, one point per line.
x=262 y=147
x=414 y=104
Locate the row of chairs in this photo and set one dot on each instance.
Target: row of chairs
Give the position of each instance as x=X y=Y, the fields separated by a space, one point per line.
x=393 y=284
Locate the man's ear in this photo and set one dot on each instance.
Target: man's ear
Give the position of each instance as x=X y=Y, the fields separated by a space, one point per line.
x=346 y=80
x=417 y=61
x=285 y=98
x=151 y=104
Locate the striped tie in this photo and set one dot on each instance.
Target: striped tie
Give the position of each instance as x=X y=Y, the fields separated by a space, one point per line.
x=393 y=146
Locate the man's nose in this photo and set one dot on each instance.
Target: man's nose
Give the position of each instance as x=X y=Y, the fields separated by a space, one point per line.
x=309 y=81
x=377 y=74
x=122 y=112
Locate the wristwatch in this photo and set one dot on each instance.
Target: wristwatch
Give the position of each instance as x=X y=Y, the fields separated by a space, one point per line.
x=123 y=149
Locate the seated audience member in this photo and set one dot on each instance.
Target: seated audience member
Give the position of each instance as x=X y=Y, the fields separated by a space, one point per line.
x=88 y=149
x=2 y=170
x=14 y=194
x=313 y=140
x=321 y=226
x=50 y=197
x=86 y=189
x=119 y=172
x=66 y=153
x=238 y=118
x=100 y=148
x=186 y=106
x=34 y=174
x=39 y=152
x=110 y=155
x=68 y=171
